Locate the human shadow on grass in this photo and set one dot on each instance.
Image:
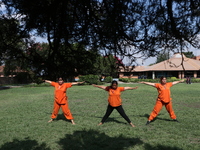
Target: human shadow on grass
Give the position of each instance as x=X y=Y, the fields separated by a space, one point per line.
x=95 y=140
x=159 y=118
x=62 y=117
x=26 y=144
x=160 y=147
x=112 y=119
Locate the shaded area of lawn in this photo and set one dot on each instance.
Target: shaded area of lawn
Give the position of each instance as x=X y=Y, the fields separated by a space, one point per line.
x=85 y=140
x=4 y=87
x=25 y=144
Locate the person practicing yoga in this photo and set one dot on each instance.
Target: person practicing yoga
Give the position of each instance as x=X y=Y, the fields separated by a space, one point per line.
x=115 y=101
x=61 y=99
x=164 y=98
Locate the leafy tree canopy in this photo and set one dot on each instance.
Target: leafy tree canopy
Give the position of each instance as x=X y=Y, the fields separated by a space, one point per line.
x=189 y=54
x=126 y=28
x=162 y=56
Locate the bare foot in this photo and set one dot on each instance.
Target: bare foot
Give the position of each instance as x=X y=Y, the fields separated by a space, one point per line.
x=132 y=125
x=50 y=120
x=100 y=123
x=72 y=121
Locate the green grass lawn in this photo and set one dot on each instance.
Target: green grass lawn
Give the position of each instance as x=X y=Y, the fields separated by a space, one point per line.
x=24 y=113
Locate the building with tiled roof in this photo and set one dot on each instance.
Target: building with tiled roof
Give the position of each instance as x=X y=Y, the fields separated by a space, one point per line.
x=177 y=66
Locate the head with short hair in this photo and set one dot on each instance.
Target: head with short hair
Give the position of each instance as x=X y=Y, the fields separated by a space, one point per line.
x=60 y=81
x=163 y=80
x=114 y=84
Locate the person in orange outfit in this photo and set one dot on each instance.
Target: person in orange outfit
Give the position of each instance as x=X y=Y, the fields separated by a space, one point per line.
x=164 y=98
x=114 y=100
x=61 y=99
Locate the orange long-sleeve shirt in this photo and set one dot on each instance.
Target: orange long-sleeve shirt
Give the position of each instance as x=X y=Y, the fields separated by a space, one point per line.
x=114 y=98
x=164 y=92
x=60 y=92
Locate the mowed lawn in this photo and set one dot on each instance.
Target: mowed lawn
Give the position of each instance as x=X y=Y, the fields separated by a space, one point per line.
x=24 y=113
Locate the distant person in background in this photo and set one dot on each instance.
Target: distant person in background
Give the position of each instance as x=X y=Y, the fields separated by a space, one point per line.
x=164 y=98
x=188 y=80
x=114 y=100
x=61 y=99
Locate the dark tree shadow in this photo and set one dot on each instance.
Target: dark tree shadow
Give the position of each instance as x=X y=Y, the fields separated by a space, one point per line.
x=25 y=144
x=4 y=87
x=160 y=147
x=94 y=140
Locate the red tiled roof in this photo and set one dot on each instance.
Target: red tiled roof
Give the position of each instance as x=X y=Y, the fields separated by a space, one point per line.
x=172 y=64
x=177 y=63
x=132 y=69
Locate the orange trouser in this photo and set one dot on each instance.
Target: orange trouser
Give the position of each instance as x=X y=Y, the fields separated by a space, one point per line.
x=158 y=107
x=65 y=110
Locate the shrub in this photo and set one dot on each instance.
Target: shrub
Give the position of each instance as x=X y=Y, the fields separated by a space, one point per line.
x=173 y=78
x=22 y=77
x=90 y=79
x=38 y=80
x=37 y=85
x=194 y=80
x=108 y=79
x=124 y=79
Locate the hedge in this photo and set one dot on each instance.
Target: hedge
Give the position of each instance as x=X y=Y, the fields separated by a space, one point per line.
x=172 y=79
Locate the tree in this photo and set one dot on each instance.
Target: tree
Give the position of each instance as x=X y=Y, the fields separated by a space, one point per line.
x=189 y=54
x=162 y=56
x=12 y=39
x=107 y=65
x=116 y=27
x=66 y=63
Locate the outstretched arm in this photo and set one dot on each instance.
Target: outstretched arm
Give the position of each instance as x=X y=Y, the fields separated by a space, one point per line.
x=74 y=83
x=176 y=82
x=101 y=87
x=47 y=81
x=148 y=83
x=130 y=88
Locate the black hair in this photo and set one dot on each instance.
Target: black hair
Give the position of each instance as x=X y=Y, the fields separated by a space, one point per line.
x=162 y=78
x=113 y=82
x=60 y=78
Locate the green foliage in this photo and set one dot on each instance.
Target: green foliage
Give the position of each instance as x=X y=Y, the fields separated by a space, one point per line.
x=43 y=84
x=106 y=65
x=90 y=79
x=108 y=79
x=188 y=54
x=38 y=80
x=77 y=34
x=172 y=79
x=135 y=23
x=12 y=39
x=125 y=79
x=195 y=80
x=162 y=56
x=23 y=77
